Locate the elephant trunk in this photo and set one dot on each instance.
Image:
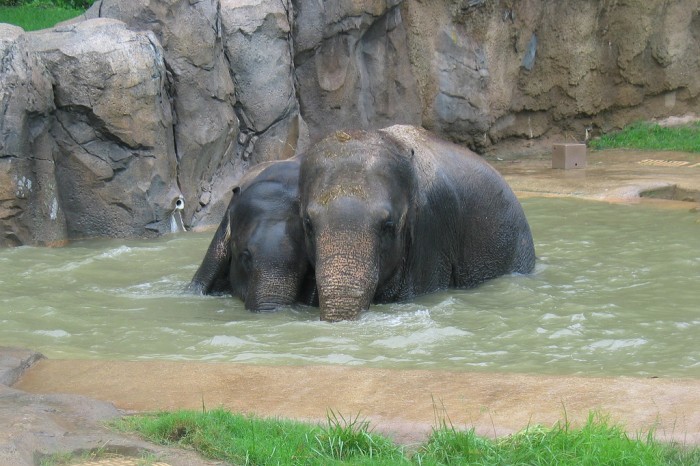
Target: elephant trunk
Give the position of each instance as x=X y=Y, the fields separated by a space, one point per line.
x=267 y=291
x=346 y=276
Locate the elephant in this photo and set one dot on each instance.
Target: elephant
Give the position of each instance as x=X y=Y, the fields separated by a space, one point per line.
x=396 y=213
x=258 y=251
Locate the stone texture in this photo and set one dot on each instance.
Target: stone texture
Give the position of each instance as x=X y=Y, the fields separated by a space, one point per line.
x=528 y=69
x=14 y=362
x=353 y=67
x=35 y=427
x=195 y=93
x=115 y=167
x=205 y=127
x=258 y=46
x=29 y=209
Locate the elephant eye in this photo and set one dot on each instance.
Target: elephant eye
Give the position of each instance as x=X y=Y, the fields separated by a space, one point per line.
x=307 y=225
x=389 y=228
x=246 y=259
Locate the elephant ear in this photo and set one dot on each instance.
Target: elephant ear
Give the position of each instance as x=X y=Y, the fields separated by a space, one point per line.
x=212 y=275
x=227 y=220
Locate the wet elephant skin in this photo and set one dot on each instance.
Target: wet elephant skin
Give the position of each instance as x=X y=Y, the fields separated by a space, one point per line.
x=258 y=252
x=396 y=213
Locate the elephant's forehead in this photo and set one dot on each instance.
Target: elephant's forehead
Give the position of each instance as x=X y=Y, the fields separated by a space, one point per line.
x=343 y=145
x=335 y=191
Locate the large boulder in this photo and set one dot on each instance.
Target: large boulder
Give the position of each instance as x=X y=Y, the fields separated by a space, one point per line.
x=202 y=93
x=115 y=165
x=87 y=146
x=256 y=41
x=234 y=93
x=29 y=207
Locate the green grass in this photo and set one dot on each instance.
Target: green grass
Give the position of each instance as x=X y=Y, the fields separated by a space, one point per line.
x=37 y=15
x=596 y=442
x=651 y=136
x=238 y=439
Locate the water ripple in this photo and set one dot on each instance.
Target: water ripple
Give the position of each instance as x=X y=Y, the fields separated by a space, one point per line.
x=614 y=292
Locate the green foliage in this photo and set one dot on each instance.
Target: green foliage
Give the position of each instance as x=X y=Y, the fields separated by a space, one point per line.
x=70 y=4
x=221 y=435
x=651 y=136
x=239 y=439
x=596 y=442
x=37 y=15
x=352 y=439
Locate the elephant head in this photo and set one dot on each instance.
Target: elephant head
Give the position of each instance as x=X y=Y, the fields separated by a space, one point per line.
x=355 y=193
x=258 y=252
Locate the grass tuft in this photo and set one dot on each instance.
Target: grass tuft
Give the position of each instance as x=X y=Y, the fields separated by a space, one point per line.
x=651 y=136
x=345 y=439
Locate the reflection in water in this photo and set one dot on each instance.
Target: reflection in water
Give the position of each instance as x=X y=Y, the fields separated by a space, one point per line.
x=615 y=292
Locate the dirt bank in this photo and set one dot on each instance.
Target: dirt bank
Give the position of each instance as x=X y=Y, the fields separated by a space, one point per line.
x=612 y=175
x=402 y=403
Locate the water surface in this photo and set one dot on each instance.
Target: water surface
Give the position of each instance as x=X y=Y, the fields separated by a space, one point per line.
x=615 y=292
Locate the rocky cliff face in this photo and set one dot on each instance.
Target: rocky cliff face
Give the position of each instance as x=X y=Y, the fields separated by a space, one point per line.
x=108 y=122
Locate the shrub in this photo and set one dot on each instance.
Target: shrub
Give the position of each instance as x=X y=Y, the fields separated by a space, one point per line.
x=71 y=4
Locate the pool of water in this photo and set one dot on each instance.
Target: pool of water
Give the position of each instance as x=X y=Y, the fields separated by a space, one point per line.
x=616 y=291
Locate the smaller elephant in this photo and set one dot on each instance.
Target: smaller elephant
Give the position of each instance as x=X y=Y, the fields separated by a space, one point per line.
x=258 y=252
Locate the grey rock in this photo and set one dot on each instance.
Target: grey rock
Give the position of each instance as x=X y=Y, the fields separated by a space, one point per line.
x=34 y=427
x=256 y=38
x=202 y=90
x=29 y=209
x=14 y=362
x=111 y=129
x=352 y=66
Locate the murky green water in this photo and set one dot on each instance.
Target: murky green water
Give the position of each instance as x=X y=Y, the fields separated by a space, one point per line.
x=616 y=292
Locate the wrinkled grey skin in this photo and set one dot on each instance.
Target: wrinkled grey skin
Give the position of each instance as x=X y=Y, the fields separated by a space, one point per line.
x=258 y=252
x=396 y=213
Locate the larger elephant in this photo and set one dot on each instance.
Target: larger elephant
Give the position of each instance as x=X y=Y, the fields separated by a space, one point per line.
x=258 y=252
x=396 y=213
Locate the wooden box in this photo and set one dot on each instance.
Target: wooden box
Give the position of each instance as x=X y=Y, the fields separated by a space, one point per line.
x=568 y=156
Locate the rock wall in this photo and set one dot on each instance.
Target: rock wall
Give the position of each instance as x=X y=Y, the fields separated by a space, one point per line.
x=493 y=70
x=86 y=134
x=107 y=121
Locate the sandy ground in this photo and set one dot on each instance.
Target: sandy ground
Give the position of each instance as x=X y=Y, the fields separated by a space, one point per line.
x=35 y=419
x=405 y=404
x=614 y=176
